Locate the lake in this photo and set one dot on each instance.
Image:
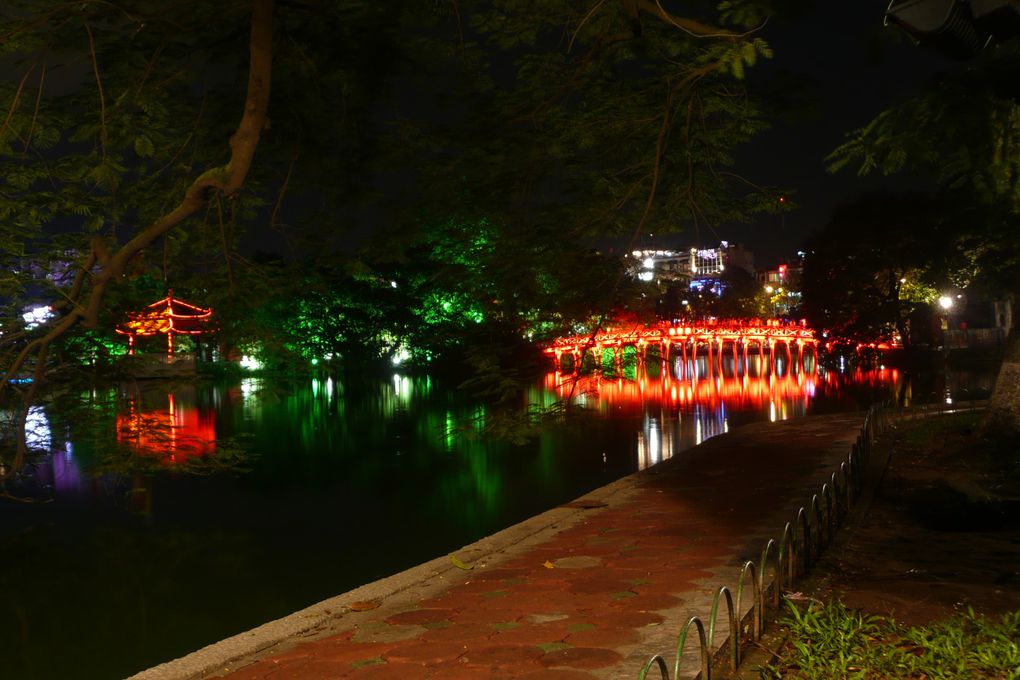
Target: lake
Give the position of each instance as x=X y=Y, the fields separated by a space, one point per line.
x=182 y=513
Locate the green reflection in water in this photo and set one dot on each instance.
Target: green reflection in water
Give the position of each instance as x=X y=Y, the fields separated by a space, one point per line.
x=355 y=479
x=449 y=431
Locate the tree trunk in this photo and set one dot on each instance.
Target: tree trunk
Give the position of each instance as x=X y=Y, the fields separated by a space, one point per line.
x=1004 y=410
x=227 y=180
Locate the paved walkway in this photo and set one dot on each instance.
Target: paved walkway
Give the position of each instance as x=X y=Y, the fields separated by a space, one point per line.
x=585 y=592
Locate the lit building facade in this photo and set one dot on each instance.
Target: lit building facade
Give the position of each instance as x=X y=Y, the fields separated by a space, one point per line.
x=694 y=268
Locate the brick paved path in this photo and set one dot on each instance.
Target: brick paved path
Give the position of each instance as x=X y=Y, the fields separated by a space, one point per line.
x=593 y=596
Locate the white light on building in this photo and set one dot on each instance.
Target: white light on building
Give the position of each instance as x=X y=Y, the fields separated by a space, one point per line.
x=36 y=316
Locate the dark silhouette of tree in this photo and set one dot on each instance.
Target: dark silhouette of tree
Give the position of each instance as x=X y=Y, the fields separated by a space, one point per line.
x=875 y=264
x=965 y=127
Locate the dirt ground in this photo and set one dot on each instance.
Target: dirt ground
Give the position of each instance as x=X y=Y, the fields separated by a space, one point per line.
x=942 y=532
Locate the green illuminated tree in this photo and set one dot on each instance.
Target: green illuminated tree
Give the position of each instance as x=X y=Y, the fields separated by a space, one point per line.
x=473 y=288
x=140 y=139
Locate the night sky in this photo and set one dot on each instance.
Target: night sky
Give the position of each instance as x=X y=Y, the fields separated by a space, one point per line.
x=846 y=67
x=856 y=67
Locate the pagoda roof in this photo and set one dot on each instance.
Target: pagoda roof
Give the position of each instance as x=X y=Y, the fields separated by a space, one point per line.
x=170 y=316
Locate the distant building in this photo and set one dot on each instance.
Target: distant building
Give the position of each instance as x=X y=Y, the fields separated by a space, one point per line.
x=694 y=268
x=782 y=283
x=784 y=275
x=973 y=322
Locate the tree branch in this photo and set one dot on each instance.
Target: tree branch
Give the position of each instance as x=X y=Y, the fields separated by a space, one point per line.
x=35 y=111
x=227 y=179
x=689 y=26
x=660 y=146
x=102 y=95
x=14 y=103
x=583 y=21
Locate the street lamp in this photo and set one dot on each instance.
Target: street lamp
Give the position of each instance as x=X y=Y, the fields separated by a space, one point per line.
x=946 y=303
x=958 y=28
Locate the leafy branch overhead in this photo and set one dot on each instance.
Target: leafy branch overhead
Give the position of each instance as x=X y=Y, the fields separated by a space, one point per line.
x=128 y=139
x=103 y=266
x=602 y=118
x=964 y=128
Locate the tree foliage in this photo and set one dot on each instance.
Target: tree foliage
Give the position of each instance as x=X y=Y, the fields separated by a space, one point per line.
x=140 y=142
x=91 y=176
x=877 y=263
x=615 y=116
x=965 y=128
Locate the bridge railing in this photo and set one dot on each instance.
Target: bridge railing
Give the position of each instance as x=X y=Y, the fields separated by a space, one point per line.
x=671 y=332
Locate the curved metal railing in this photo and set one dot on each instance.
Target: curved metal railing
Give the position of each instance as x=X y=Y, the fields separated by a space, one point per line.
x=801 y=543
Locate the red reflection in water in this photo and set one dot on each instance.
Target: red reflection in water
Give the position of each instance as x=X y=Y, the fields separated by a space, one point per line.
x=709 y=392
x=692 y=401
x=174 y=434
x=744 y=389
x=871 y=377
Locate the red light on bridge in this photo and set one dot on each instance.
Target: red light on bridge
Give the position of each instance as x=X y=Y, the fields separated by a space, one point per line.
x=714 y=334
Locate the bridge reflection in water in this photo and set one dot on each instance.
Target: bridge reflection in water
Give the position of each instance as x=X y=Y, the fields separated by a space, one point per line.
x=688 y=400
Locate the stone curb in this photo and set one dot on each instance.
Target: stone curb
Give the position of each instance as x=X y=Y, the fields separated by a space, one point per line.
x=434 y=575
x=439 y=575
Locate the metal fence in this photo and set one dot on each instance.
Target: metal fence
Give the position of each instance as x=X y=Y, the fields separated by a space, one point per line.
x=802 y=542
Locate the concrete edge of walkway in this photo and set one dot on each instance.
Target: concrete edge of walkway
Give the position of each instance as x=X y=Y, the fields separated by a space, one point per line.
x=436 y=573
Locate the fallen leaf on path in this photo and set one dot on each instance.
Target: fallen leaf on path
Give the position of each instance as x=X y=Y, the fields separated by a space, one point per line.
x=585 y=504
x=460 y=565
x=364 y=605
x=548 y=565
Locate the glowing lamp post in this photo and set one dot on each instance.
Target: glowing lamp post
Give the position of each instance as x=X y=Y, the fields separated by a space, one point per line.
x=946 y=303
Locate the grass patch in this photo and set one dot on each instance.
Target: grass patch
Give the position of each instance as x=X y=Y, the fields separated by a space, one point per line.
x=829 y=641
x=936 y=430
x=968 y=440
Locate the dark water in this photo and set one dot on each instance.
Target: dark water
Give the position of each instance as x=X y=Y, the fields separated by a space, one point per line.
x=187 y=513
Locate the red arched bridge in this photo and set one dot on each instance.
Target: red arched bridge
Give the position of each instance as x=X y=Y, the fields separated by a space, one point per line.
x=741 y=336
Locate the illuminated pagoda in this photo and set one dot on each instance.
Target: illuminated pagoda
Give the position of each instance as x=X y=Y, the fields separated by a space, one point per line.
x=168 y=316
